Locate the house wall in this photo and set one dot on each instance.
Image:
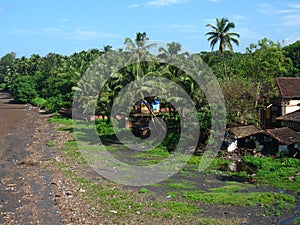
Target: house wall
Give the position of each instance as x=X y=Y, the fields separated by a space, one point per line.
x=289 y=106
x=291 y=124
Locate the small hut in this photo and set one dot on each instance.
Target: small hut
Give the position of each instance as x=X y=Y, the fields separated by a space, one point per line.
x=286 y=141
x=248 y=137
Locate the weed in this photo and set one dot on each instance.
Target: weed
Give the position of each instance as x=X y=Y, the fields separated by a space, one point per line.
x=143 y=190
x=50 y=143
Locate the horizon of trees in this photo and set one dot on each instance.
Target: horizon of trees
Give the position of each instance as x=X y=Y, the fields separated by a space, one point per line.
x=247 y=85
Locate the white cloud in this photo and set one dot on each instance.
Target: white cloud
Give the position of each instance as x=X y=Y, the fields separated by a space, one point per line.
x=239 y=17
x=291 y=20
x=288 y=15
x=21 y=31
x=287 y=11
x=134 y=5
x=157 y=3
x=183 y=27
x=161 y=3
x=52 y=29
x=246 y=33
x=295 y=6
x=79 y=34
x=265 y=8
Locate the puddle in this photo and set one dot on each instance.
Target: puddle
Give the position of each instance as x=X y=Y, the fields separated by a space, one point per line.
x=290 y=220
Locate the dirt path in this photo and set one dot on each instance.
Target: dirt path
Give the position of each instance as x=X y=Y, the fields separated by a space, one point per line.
x=25 y=187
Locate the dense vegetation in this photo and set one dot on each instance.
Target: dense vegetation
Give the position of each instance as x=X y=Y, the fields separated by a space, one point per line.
x=247 y=79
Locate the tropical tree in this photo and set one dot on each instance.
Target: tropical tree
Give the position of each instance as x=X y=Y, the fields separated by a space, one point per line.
x=221 y=34
x=293 y=52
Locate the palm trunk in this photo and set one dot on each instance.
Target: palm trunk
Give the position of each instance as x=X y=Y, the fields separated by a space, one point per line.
x=224 y=65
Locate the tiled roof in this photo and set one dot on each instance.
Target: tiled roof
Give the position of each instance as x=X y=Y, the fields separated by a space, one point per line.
x=293 y=116
x=284 y=135
x=289 y=86
x=244 y=131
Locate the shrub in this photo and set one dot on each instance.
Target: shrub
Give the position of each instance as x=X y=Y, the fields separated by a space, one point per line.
x=40 y=102
x=2 y=86
x=24 y=89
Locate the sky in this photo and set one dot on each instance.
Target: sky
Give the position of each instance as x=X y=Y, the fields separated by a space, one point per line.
x=50 y=26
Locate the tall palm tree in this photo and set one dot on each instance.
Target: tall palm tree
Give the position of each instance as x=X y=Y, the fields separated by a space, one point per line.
x=220 y=33
x=139 y=49
x=171 y=52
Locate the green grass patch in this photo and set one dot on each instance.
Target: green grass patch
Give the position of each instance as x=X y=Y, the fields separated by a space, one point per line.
x=280 y=173
x=182 y=184
x=50 y=143
x=296 y=221
x=39 y=102
x=232 y=187
x=240 y=199
x=61 y=120
x=143 y=190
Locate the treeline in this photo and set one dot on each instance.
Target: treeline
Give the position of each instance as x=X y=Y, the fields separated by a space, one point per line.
x=50 y=81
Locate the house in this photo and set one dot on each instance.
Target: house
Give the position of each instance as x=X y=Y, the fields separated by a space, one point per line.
x=289 y=88
x=287 y=102
x=291 y=120
x=248 y=137
x=285 y=141
x=155 y=106
x=277 y=141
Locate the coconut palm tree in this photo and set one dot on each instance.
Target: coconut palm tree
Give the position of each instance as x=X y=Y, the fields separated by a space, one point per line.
x=221 y=34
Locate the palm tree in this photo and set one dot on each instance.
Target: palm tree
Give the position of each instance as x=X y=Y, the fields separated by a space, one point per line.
x=171 y=52
x=220 y=33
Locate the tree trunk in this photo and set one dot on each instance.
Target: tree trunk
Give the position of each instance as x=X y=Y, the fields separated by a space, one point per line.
x=224 y=65
x=257 y=100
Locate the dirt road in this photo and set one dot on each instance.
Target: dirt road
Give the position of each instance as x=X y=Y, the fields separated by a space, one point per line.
x=25 y=187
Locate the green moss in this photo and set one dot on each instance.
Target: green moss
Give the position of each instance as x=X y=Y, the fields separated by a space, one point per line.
x=61 y=120
x=50 y=143
x=182 y=184
x=238 y=199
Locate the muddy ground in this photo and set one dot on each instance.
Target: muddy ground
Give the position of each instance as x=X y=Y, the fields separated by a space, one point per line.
x=25 y=189
x=34 y=192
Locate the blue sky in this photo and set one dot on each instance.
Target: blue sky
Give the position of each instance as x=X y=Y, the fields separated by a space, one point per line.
x=65 y=26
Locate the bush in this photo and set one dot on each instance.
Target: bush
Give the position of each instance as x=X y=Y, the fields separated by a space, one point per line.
x=24 y=89
x=40 y=102
x=2 y=86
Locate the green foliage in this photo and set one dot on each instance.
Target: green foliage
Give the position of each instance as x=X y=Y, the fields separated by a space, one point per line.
x=281 y=173
x=143 y=190
x=50 y=143
x=61 y=120
x=5 y=62
x=296 y=221
x=293 y=52
x=2 y=86
x=104 y=128
x=238 y=199
x=40 y=102
x=24 y=89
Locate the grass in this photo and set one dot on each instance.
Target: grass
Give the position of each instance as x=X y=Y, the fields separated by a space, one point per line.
x=232 y=187
x=184 y=201
x=239 y=199
x=60 y=120
x=50 y=143
x=182 y=184
x=283 y=173
x=296 y=221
